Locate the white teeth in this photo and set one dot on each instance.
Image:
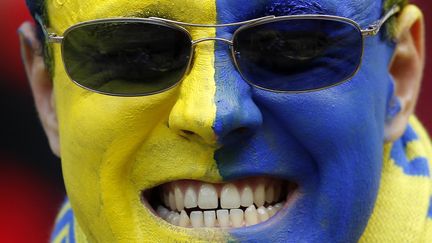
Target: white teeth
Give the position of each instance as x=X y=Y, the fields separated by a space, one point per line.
x=223 y=218
x=278 y=206
x=162 y=212
x=209 y=218
x=196 y=218
x=170 y=216
x=175 y=219
x=236 y=216
x=259 y=195
x=171 y=199
x=251 y=216
x=246 y=197
x=184 y=219
x=262 y=214
x=271 y=211
x=190 y=198
x=179 y=201
x=207 y=197
x=177 y=196
x=230 y=197
x=269 y=195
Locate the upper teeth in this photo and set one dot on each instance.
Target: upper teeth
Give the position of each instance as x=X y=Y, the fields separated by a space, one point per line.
x=181 y=195
x=207 y=197
x=230 y=197
x=242 y=203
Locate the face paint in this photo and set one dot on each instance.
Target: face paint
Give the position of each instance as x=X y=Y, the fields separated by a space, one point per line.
x=329 y=142
x=113 y=148
x=215 y=128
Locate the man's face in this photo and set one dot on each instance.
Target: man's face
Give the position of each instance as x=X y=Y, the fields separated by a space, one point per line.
x=324 y=148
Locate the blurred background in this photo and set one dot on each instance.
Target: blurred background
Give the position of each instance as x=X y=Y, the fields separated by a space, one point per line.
x=31 y=186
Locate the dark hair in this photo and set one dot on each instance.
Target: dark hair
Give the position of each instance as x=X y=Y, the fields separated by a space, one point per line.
x=37 y=8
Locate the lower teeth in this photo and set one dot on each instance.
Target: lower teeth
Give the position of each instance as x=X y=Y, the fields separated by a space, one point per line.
x=222 y=218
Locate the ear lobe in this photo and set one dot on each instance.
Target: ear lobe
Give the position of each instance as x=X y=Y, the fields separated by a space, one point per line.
x=40 y=83
x=406 y=68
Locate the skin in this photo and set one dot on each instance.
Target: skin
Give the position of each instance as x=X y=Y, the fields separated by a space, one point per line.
x=143 y=150
x=329 y=142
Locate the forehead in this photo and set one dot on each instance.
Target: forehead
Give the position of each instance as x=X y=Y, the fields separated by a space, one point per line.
x=69 y=12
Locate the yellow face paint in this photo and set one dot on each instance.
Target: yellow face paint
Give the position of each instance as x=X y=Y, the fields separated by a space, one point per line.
x=112 y=148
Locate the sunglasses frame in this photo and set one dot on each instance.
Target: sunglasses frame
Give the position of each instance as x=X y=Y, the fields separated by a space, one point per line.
x=370 y=30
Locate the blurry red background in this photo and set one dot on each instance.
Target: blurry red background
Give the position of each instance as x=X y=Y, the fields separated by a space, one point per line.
x=31 y=188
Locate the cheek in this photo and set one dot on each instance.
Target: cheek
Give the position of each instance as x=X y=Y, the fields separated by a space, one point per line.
x=349 y=115
x=92 y=121
x=355 y=109
x=93 y=126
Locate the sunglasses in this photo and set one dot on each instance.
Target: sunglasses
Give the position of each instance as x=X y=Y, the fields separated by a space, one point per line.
x=144 y=56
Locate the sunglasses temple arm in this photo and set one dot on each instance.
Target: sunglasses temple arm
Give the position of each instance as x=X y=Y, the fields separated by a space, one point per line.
x=50 y=37
x=374 y=28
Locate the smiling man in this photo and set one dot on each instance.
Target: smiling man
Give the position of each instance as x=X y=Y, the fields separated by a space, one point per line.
x=219 y=120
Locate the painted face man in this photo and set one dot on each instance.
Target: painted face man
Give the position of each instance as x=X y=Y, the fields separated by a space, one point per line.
x=295 y=126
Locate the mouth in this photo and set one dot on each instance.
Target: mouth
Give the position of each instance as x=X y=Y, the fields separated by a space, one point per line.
x=241 y=203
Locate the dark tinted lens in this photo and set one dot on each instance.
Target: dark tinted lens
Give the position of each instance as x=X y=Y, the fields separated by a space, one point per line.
x=298 y=54
x=126 y=58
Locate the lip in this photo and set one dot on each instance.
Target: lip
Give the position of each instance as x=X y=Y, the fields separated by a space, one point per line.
x=152 y=200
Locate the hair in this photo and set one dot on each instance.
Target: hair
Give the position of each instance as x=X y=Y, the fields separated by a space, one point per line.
x=391 y=25
x=390 y=3
x=37 y=8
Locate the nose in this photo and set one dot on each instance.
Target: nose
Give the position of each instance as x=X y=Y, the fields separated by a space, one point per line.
x=193 y=113
x=237 y=115
x=215 y=104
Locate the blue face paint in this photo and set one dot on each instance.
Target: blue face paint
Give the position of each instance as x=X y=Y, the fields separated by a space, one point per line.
x=329 y=142
x=281 y=8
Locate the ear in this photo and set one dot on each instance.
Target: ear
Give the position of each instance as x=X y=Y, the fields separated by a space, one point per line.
x=40 y=82
x=406 y=68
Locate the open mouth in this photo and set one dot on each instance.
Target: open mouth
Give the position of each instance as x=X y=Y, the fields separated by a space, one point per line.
x=196 y=204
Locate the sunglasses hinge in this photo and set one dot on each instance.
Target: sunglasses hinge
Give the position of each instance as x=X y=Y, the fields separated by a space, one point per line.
x=53 y=38
x=371 y=30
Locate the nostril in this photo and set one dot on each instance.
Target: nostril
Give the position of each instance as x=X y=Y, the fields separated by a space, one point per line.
x=191 y=136
x=240 y=130
x=240 y=133
x=237 y=135
x=187 y=132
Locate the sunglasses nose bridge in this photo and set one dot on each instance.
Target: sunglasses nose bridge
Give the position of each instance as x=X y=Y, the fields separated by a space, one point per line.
x=195 y=42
